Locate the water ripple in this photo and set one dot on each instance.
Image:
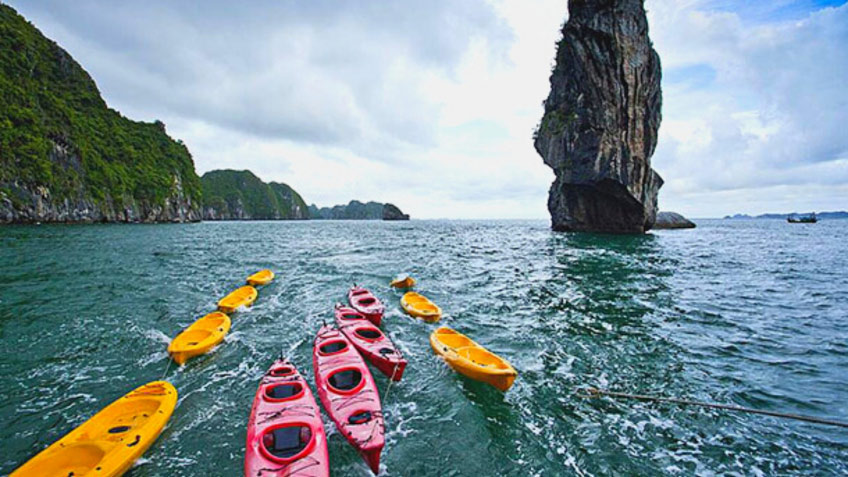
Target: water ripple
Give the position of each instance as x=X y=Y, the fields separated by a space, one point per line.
x=745 y=312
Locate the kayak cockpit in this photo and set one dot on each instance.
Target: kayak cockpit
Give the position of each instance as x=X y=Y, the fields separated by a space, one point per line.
x=333 y=347
x=481 y=357
x=370 y=334
x=283 y=392
x=285 y=443
x=345 y=381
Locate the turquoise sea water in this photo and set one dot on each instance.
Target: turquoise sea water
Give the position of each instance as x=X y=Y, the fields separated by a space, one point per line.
x=753 y=313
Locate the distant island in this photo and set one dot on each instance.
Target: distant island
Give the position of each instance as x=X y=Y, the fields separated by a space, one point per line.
x=240 y=195
x=356 y=210
x=841 y=214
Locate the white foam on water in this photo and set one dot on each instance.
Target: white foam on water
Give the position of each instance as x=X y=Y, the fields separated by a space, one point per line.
x=150 y=358
x=401 y=424
x=157 y=336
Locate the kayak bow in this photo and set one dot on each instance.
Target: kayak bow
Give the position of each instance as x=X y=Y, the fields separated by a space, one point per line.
x=285 y=434
x=371 y=343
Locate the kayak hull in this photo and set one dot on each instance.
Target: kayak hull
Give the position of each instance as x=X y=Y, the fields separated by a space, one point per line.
x=262 y=277
x=284 y=403
x=110 y=441
x=365 y=302
x=371 y=343
x=472 y=360
x=349 y=394
x=199 y=338
x=244 y=296
x=419 y=306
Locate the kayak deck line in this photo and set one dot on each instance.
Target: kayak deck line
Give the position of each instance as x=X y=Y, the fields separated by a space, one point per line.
x=593 y=393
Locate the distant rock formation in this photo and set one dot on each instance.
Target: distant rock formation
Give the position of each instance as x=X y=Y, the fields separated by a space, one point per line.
x=240 y=195
x=837 y=214
x=601 y=119
x=65 y=156
x=391 y=212
x=673 y=220
x=356 y=210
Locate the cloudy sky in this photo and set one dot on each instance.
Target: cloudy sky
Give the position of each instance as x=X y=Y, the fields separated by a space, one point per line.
x=431 y=104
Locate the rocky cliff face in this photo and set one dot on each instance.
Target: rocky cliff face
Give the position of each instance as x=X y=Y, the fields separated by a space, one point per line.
x=391 y=212
x=240 y=195
x=23 y=204
x=65 y=156
x=673 y=220
x=601 y=119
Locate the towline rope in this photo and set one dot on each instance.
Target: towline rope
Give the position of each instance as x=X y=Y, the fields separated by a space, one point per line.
x=391 y=380
x=167 y=367
x=392 y=377
x=596 y=393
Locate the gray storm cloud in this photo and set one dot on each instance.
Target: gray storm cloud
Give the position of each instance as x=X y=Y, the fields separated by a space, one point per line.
x=322 y=72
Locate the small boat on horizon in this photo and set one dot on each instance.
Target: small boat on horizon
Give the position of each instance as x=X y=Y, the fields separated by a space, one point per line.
x=802 y=219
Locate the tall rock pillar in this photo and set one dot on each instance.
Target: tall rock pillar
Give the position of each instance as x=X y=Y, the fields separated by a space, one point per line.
x=601 y=120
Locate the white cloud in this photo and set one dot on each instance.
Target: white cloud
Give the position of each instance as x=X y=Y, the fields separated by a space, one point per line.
x=424 y=104
x=770 y=121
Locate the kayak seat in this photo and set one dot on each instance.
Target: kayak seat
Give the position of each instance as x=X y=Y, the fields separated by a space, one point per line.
x=482 y=357
x=454 y=341
x=359 y=418
x=345 y=380
x=283 y=371
x=283 y=391
x=360 y=292
x=285 y=442
x=368 y=334
x=367 y=301
x=333 y=347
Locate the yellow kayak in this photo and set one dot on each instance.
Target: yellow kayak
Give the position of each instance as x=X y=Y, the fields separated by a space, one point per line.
x=262 y=277
x=403 y=282
x=420 y=306
x=244 y=296
x=200 y=337
x=470 y=359
x=107 y=444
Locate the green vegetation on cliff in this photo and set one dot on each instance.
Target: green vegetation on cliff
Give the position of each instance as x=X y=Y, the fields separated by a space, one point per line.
x=354 y=210
x=229 y=194
x=60 y=141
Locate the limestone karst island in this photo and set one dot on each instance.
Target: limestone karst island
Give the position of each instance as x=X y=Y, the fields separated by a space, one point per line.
x=466 y=238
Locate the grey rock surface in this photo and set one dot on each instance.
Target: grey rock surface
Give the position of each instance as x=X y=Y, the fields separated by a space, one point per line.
x=673 y=220
x=391 y=212
x=601 y=120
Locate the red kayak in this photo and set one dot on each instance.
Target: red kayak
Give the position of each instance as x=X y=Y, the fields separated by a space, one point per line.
x=349 y=394
x=375 y=346
x=366 y=303
x=285 y=435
